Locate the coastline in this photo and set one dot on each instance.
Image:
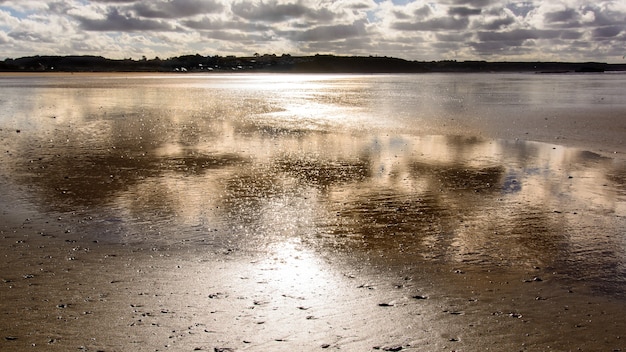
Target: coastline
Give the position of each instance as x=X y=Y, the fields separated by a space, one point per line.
x=294 y=64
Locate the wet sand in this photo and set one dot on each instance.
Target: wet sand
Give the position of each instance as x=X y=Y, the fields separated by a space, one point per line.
x=75 y=277
x=62 y=292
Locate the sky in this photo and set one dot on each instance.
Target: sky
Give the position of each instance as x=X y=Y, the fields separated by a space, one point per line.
x=492 y=30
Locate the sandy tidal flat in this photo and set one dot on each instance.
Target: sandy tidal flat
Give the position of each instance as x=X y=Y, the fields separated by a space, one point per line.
x=278 y=214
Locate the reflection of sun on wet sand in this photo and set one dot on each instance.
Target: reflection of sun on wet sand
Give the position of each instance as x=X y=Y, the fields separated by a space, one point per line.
x=219 y=227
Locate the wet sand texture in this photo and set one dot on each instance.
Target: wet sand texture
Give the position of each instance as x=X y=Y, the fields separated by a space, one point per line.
x=306 y=213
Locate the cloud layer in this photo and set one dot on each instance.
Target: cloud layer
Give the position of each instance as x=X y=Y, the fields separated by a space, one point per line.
x=566 y=30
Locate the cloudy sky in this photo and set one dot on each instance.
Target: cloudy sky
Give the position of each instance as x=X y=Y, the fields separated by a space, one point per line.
x=564 y=30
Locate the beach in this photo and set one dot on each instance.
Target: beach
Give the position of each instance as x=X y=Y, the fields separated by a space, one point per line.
x=129 y=225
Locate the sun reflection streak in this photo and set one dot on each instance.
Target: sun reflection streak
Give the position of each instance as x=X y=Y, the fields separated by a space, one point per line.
x=293 y=269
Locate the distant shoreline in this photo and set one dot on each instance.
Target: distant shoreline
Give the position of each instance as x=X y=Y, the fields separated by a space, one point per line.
x=291 y=64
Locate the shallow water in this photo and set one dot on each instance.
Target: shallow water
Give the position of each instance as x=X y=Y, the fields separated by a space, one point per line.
x=406 y=169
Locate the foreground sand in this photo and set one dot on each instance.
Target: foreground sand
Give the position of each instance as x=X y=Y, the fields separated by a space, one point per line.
x=63 y=293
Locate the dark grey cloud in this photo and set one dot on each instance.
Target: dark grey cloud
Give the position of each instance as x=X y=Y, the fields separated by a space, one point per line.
x=434 y=24
x=236 y=36
x=520 y=41
x=445 y=46
x=505 y=39
x=605 y=23
x=123 y=22
x=115 y=1
x=571 y=35
x=272 y=11
x=607 y=32
x=176 y=8
x=207 y=23
x=605 y=17
x=463 y=11
x=518 y=36
x=350 y=46
x=567 y=15
x=359 y=6
x=488 y=49
x=568 y=18
x=454 y=37
x=423 y=12
x=401 y=15
x=331 y=33
x=471 y=3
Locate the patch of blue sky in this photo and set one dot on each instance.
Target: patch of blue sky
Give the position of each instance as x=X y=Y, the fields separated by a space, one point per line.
x=14 y=13
x=371 y=15
x=521 y=9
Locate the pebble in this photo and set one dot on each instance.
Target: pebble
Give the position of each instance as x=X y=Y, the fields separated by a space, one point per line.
x=536 y=279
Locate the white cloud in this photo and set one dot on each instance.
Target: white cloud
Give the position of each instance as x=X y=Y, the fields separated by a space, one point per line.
x=176 y=8
x=419 y=29
x=4 y=38
x=7 y=20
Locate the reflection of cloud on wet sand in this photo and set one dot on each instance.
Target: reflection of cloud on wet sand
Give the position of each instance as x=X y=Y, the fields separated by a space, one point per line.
x=258 y=178
x=386 y=188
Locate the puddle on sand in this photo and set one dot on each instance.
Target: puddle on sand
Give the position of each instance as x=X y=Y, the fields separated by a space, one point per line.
x=493 y=203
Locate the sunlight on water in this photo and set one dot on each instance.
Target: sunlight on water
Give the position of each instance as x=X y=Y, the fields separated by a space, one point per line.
x=296 y=270
x=337 y=163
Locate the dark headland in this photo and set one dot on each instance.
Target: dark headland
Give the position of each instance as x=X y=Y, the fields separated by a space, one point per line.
x=289 y=64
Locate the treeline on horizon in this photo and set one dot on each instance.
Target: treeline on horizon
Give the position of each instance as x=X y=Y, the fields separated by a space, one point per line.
x=287 y=63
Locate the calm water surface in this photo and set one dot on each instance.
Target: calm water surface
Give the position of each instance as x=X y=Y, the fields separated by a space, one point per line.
x=398 y=167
